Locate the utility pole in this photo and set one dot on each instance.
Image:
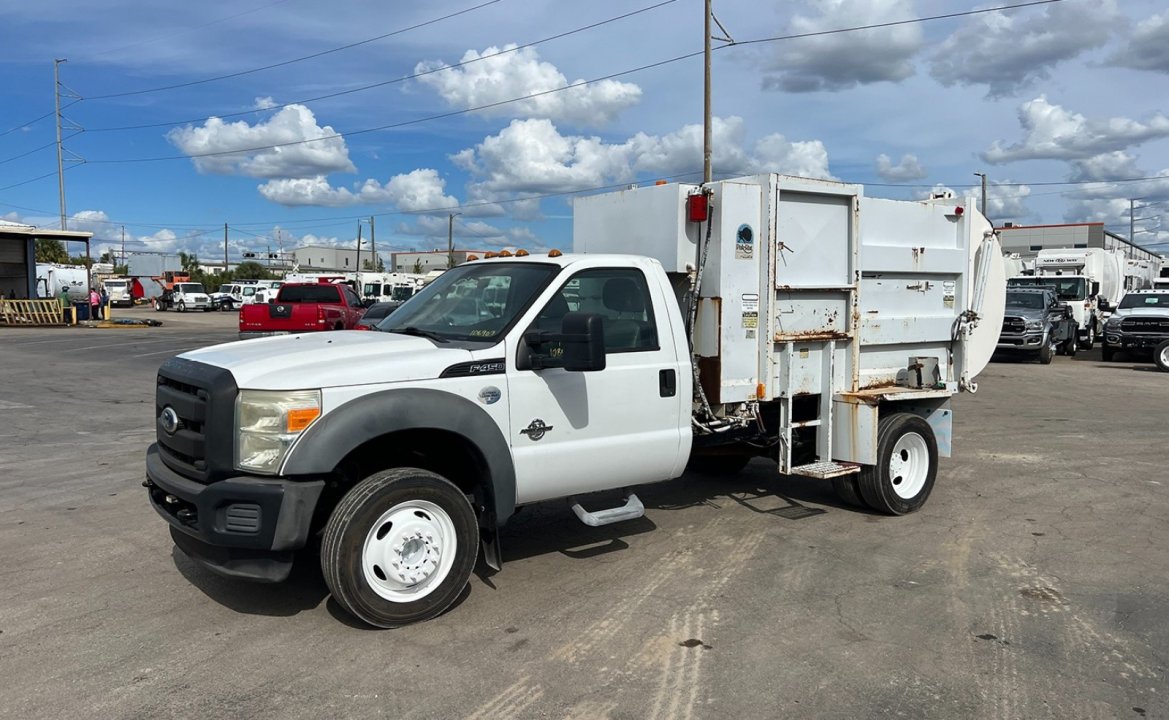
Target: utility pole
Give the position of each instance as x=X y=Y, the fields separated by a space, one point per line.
x=224 y=247
x=450 y=240
x=57 y=111
x=983 y=207
x=373 y=246
x=358 y=246
x=706 y=120
x=123 y=245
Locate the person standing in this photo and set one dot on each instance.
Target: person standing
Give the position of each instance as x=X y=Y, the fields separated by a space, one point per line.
x=105 y=302
x=94 y=303
x=63 y=298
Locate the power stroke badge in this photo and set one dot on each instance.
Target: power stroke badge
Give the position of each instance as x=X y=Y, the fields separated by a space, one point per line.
x=536 y=430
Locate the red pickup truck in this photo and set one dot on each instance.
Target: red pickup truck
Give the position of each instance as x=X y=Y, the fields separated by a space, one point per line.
x=302 y=307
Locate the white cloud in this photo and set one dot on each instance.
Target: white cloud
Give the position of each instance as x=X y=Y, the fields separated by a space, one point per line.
x=1007 y=202
x=420 y=190
x=1009 y=51
x=908 y=169
x=1053 y=133
x=492 y=77
x=264 y=103
x=843 y=60
x=292 y=124
x=532 y=157
x=1115 y=165
x=1148 y=46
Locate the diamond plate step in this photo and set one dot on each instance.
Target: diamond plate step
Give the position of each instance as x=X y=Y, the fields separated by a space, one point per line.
x=825 y=470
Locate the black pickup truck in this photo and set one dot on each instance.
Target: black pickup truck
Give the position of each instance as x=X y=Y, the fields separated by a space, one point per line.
x=1038 y=323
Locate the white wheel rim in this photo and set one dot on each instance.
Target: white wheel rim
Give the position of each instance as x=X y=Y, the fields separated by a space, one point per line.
x=909 y=465
x=1165 y=356
x=409 y=551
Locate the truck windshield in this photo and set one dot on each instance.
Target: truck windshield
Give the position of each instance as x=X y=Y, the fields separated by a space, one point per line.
x=1028 y=300
x=190 y=288
x=371 y=290
x=1067 y=288
x=476 y=302
x=403 y=292
x=1134 y=300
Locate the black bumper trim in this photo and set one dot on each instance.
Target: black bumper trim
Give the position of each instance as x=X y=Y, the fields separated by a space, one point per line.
x=237 y=563
x=200 y=511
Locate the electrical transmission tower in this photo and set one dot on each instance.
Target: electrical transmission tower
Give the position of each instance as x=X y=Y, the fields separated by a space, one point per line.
x=60 y=90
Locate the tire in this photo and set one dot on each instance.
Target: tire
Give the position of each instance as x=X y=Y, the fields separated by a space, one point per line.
x=1071 y=345
x=1161 y=356
x=848 y=490
x=182 y=306
x=1107 y=353
x=158 y=306
x=717 y=464
x=1090 y=336
x=907 y=465
x=435 y=525
x=1047 y=352
x=227 y=306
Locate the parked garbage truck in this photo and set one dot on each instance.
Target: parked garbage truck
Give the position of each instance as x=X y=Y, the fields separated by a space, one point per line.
x=52 y=278
x=769 y=316
x=1090 y=280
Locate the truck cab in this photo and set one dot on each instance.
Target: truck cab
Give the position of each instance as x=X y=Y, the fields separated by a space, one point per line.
x=1140 y=325
x=1038 y=323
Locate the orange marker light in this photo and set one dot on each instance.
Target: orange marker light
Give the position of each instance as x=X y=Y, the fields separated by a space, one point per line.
x=470 y=258
x=490 y=255
x=554 y=253
x=504 y=253
x=521 y=253
x=300 y=418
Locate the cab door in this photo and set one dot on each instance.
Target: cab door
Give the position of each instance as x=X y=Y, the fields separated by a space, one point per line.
x=578 y=432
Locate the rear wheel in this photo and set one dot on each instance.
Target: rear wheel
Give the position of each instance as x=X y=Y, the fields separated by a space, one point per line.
x=907 y=464
x=1161 y=356
x=848 y=490
x=399 y=547
x=1071 y=345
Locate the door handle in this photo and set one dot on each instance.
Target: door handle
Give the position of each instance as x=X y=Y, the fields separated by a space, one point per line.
x=667 y=383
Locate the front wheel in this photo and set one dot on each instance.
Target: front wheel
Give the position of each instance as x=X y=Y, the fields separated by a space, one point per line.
x=400 y=547
x=907 y=464
x=1161 y=356
x=182 y=306
x=1047 y=352
x=1071 y=345
x=1090 y=336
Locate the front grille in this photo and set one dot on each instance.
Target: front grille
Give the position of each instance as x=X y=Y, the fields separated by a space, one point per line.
x=1145 y=325
x=203 y=398
x=1014 y=325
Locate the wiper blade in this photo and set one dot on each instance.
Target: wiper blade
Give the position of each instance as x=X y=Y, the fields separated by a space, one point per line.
x=419 y=332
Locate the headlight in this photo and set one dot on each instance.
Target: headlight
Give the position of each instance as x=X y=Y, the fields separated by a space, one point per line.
x=1034 y=325
x=268 y=422
x=1114 y=321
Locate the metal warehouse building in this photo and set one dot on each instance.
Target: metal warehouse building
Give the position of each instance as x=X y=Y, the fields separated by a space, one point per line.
x=1028 y=240
x=427 y=260
x=18 y=256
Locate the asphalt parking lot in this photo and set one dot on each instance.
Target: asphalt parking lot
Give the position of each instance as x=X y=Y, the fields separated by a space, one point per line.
x=1034 y=583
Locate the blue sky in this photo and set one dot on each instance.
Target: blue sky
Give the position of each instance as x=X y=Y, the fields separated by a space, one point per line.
x=1061 y=104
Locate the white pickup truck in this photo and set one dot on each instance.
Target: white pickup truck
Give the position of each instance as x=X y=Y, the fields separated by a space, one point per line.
x=769 y=316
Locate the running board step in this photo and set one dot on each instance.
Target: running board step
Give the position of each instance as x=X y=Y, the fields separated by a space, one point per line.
x=825 y=470
x=631 y=510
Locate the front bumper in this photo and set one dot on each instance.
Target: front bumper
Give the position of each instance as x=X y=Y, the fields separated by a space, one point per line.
x=1026 y=341
x=1122 y=341
x=243 y=526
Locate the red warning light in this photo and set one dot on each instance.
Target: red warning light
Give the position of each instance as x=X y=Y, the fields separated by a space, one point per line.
x=959 y=210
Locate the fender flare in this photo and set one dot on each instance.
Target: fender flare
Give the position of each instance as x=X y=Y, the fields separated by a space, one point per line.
x=326 y=443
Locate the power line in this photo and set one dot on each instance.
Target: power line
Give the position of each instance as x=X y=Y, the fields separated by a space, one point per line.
x=49 y=114
x=294 y=60
x=30 y=180
x=500 y=103
x=396 y=80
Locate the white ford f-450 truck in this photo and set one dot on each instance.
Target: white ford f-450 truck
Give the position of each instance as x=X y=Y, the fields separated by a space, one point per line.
x=766 y=316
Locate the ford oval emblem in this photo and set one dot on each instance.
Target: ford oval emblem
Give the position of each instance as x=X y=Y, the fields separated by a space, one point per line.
x=169 y=419
x=489 y=395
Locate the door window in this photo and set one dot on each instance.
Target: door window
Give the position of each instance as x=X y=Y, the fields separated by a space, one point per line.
x=619 y=295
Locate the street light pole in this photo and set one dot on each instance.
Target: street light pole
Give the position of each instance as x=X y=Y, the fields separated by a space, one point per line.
x=983 y=207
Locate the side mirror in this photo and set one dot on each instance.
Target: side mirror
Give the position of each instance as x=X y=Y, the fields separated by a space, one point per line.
x=578 y=347
x=1095 y=287
x=1103 y=304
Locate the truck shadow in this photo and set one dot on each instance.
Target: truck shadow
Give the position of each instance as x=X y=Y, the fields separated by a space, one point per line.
x=303 y=590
